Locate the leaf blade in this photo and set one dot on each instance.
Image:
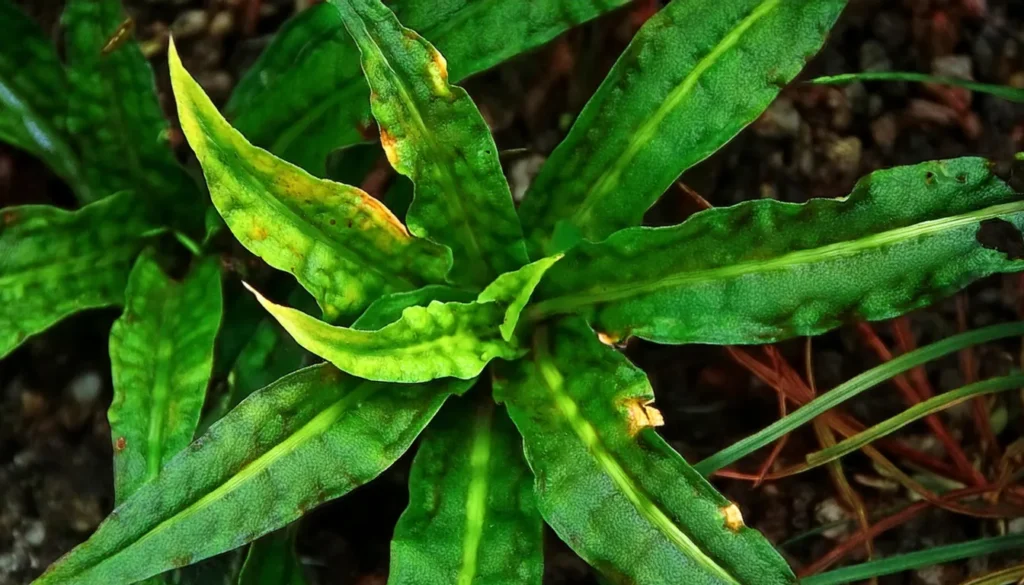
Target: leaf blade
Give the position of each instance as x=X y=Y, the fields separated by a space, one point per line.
x=307 y=84
x=318 y=430
x=161 y=353
x=432 y=133
x=675 y=96
x=86 y=255
x=471 y=516
x=343 y=246
x=609 y=485
x=764 y=270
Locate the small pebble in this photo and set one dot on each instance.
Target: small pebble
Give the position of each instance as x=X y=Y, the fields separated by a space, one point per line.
x=873 y=57
x=781 y=119
x=884 y=131
x=85 y=388
x=845 y=154
x=958 y=66
x=35 y=534
x=189 y=24
x=222 y=24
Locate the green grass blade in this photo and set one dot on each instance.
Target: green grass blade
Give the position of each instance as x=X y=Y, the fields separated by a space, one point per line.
x=916 y=560
x=914 y=413
x=853 y=387
x=1013 y=94
x=161 y=355
x=694 y=75
x=471 y=517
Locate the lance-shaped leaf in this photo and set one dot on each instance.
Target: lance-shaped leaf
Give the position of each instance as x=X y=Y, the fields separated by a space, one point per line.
x=432 y=133
x=471 y=515
x=33 y=96
x=764 y=270
x=161 y=355
x=54 y=262
x=514 y=289
x=272 y=561
x=610 y=486
x=343 y=245
x=306 y=439
x=306 y=95
x=693 y=77
x=439 y=340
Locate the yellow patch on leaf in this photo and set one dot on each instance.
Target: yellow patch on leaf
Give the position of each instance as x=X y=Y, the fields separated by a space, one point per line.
x=390 y=145
x=641 y=415
x=258 y=233
x=438 y=71
x=733 y=517
x=609 y=340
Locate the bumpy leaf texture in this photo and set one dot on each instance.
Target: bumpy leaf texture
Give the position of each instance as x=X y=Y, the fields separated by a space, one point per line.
x=306 y=95
x=34 y=96
x=471 y=515
x=433 y=133
x=161 y=354
x=343 y=245
x=762 y=271
x=696 y=73
x=54 y=262
x=609 y=485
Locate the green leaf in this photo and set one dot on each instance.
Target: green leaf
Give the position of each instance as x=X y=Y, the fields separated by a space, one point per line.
x=432 y=133
x=515 y=289
x=161 y=355
x=33 y=96
x=1013 y=94
x=762 y=271
x=306 y=95
x=54 y=262
x=308 y=438
x=115 y=116
x=692 y=78
x=609 y=485
x=436 y=341
x=471 y=515
x=272 y=561
x=343 y=245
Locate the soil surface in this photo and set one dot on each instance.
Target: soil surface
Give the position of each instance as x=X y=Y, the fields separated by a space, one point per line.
x=55 y=453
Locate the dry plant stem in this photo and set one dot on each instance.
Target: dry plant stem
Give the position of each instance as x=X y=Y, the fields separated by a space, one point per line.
x=969 y=371
x=914 y=396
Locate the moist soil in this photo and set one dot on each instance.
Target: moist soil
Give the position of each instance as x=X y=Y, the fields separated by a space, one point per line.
x=55 y=451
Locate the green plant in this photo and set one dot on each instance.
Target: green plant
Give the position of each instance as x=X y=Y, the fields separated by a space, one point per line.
x=424 y=320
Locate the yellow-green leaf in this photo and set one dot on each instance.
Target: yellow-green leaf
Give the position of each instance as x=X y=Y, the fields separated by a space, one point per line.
x=161 y=354
x=514 y=289
x=432 y=133
x=342 y=245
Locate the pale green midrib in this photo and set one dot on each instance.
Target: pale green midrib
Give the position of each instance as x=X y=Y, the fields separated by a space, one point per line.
x=318 y=425
x=476 y=498
x=161 y=396
x=588 y=435
x=309 y=228
x=609 y=178
x=477 y=255
x=45 y=269
x=566 y=303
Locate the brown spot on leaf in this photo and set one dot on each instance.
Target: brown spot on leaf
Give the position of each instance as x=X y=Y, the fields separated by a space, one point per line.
x=1003 y=236
x=120 y=444
x=182 y=561
x=733 y=517
x=258 y=233
x=388 y=142
x=9 y=217
x=641 y=415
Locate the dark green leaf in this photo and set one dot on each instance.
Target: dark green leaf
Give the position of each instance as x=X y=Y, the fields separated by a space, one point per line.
x=272 y=561
x=693 y=77
x=432 y=133
x=764 y=270
x=54 y=262
x=33 y=96
x=306 y=95
x=115 y=116
x=161 y=355
x=471 y=515
x=610 y=486
x=306 y=439
x=342 y=245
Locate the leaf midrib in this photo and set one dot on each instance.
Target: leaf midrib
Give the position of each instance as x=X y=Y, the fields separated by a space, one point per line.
x=610 y=466
x=476 y=497
x=616 y=292
x=609 y=178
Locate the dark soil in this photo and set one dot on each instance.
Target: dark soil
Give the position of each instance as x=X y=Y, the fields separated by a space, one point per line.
x=55 y=454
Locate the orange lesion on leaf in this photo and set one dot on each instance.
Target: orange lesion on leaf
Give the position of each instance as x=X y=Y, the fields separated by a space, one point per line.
x=733 y=517
x=258 y=233
x=390 y=145
x=641 y=415
x=437 y=70
x=9 y=217
x=120 y=444
x=607 y=339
